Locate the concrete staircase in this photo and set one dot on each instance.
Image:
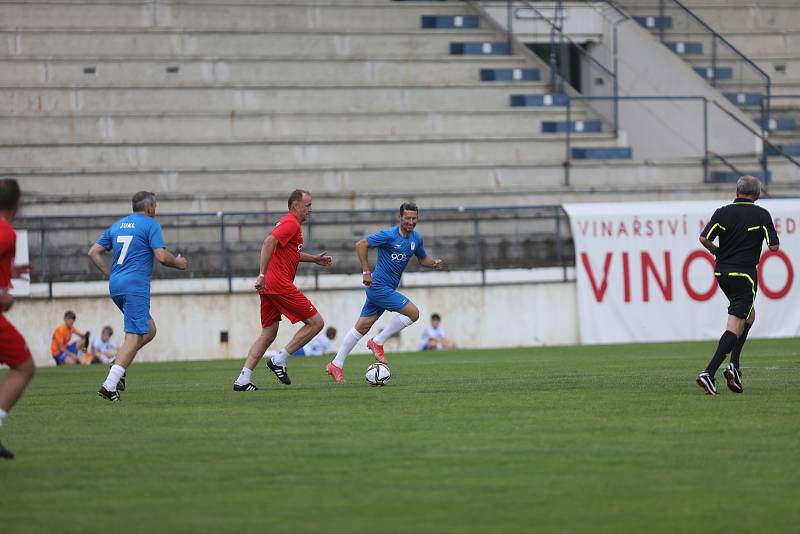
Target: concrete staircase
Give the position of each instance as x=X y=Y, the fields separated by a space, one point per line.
x=767 y=32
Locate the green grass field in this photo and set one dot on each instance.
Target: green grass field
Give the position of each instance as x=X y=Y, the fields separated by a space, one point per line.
x=566 y=439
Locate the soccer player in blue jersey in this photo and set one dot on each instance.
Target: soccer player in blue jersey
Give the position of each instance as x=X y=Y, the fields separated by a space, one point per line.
x=395 y=246
x=135 y=241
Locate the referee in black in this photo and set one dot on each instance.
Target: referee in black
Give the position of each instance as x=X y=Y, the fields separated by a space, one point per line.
x=741 y=228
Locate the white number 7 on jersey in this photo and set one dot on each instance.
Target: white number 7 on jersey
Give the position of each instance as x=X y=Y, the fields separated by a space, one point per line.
x=126 y=242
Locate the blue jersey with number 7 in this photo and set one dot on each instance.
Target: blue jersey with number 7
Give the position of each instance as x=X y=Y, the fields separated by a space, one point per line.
x=133 y=239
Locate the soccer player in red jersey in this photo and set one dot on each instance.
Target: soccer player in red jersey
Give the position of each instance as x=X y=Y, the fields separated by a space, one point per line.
x=14 y=351
x=281 y=252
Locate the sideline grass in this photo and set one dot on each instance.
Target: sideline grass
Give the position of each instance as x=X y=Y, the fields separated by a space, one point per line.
x=565 y=439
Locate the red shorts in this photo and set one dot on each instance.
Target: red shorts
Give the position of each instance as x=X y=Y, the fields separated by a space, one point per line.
x=294 y=305
x=13 y=349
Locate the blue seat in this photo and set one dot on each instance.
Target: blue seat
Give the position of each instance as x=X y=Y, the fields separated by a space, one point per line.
x=575 y=126
x=655 y=23
x=685 y=48
x=616 y=152
x=720 y=73
x=777 y=124
x=789 y=150
x=518 y=101
x=450 y=21
x=745 y=99
x=509 y=75
x=482 y=49
x=733 y=177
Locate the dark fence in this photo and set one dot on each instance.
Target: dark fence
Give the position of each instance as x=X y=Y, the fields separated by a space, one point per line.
x=228 y=244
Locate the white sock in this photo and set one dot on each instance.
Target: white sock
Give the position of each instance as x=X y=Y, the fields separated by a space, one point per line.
x=244 y=377
x=348 y=343
x=397 y=323
x=280 y=358
x=271 y=353
x=3 y=415
x=114 y=375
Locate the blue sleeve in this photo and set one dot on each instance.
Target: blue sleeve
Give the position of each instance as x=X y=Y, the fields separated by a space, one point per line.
x=155 y=237
x=420 y=252
x=105 y=240
x=384 y=237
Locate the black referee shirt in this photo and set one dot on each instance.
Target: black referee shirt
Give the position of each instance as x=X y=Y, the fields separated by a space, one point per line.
x=741 y=228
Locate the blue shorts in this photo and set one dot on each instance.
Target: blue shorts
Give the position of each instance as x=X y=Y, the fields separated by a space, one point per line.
x=299 y=352
x=380 y=299
x=136 y=309
x=59 y=358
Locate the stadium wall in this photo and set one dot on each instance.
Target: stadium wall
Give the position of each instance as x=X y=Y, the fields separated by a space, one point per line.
x=189 y=325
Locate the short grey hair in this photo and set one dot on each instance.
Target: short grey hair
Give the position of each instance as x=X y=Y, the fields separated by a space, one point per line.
x=143 y=200
x=749 y=185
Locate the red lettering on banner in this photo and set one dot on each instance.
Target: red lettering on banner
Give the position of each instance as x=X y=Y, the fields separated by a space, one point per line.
x=791 y=226
x=584 y=226
x=600 y=292
x=665 y=284
x=622 y=230
x=782 y=292
x=673 y=229
x=626 y=276
x=606 y=229
x=694 y=295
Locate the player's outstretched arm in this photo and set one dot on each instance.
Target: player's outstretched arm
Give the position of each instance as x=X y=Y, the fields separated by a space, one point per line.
x=322 y=259
x=167 y=259
x=96 y=255
x=362 y=251
x=435 y=263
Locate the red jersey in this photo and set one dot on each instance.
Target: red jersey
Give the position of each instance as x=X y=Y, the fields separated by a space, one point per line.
x=8 y=251
x=283 y=264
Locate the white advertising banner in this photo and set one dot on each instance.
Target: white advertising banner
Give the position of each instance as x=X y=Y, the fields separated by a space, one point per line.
x=642 y=274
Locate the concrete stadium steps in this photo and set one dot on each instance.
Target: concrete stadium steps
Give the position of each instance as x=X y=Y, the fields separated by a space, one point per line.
x=192 y=15
x=753 y=17
x=121 y=72
x=230 y=44
x=265 y=127
x=376 y=188
x=779 y=87
x=790 y=73
x=755 y=43
x=305 y=153
x=220 y=98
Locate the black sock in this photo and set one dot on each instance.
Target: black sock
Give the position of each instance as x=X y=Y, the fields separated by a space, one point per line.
x=737 y=349
x=726 y=344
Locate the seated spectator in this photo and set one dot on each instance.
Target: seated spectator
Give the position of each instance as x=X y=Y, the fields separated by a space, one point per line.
x=103 y=348
x=64 y=350
x=319 y=346
x=434 y=337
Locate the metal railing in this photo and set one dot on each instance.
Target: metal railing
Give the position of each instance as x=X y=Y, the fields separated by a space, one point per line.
x=707 y=153
x=744 y=72
x=228 y=244
x=522 y=9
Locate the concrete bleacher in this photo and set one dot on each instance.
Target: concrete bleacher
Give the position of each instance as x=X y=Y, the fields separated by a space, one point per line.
x=227 y=104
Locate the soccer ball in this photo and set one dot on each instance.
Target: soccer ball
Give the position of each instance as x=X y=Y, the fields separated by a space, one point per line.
x=377 y=374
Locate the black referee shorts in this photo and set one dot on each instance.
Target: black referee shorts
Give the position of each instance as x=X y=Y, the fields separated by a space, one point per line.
x=740 y=287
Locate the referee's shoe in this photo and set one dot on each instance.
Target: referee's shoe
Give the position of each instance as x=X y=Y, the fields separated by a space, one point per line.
x=734 y=378
x=707 y=382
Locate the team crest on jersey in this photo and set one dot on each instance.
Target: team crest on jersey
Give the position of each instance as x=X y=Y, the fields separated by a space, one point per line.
x=413 y=246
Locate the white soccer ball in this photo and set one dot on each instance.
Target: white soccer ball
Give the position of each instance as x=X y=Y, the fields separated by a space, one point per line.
x=378 y=374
